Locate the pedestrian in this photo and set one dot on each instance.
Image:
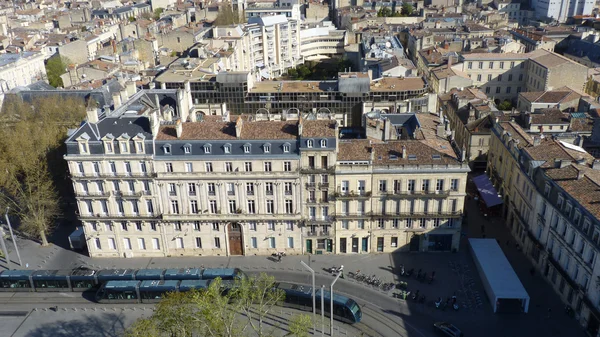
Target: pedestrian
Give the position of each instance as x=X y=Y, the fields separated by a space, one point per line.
x=341 y=270
x=279 y=257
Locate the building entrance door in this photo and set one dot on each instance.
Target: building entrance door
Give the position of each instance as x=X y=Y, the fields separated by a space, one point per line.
x=415 y=243
x=342 y=245
x=309 y=246
x=365 y=245
x=235 y=239
x=355 y=245
x=380 y=244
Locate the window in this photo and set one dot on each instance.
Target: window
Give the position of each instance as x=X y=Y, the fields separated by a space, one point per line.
x=211 y=189
x=174 y=207
x=248 y=166
x=217 y=243
x=169 y=167
x=287 y=166
x=489 y=77
x=187 y=149
x=177 y=226
x=394 y=242
x=411 y=185
x=247 y=148
x=124 y=146
x=120 y=208
x=480 y=65
x=479 y=78
x=382 y=185
x=97 y=242
x=167 y=149
x=149 y=206
x=155 y=244
x=250 y=188
x=454 y=184
x=189 y=167
x=254 y=242
x=344 y=224
x=207 y=148
x=425 y=185
x=470 y=65
x=139 y=147
x=518 y=90
x=194 y=206
x=501 y=65
x=141 y=244
x=172 y=189
x=512 y=64
x=126 y=243
x=508 y=90
x=232 y=207
x=227 y=148
x=289 y=226
x=153 y=226
x=213 y=206
x=108 y=146
x=197 y=226
x=439 y=185
x=498 y=90
x=209 y=167
x=510 y=77
x=96 y=167
x=252 y=226
x=267 y=148
x=228 y=167
x=270 y=207
x=487 y=90
x=289 y=209
x=269 y=188
x=192 y=189
x=309 y=143
x=323 y=143
x=271 y=225
x=286 y=148
x=143 y=167
x=491 y=65
x=131 y=185
x=272 y=243
x=251 y=207
x=287 y=188
x=111 y=166
x=199 y=243
x=268 y=166
x=179 y=243
x=215 y=226
x=290 y=242
x=360 y=224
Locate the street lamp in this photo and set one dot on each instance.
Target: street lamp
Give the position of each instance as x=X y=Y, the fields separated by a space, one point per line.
x=322 y=310
x=12 y=235
x=312 y=272
x=331 y=302
x=6 y=257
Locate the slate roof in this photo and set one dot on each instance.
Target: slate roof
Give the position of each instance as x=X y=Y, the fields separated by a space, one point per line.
x=218 y=130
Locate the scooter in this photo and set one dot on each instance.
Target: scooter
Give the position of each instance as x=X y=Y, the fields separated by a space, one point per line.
x=334 y=270
x=438 y=303
x=455 y=306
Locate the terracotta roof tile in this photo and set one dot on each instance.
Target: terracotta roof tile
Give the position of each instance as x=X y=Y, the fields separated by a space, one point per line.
x=355 y=149
x=319 y=128
x=549 y=116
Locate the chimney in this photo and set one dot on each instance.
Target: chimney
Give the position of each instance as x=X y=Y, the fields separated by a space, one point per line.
x=131 y=88
x=92 y=114
x=238 y=127
x=154 y=123
x=596 y=164
x=463 y=154
x=441 y=130
x=152 y=85
x=403 y=151
x=537 y=141
x=580 y=174
x=580 y=141
x=179 y=128
x=116 y=100
x=300 y=125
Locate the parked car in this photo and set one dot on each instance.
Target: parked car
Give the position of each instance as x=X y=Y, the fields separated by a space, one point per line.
x=447 y=329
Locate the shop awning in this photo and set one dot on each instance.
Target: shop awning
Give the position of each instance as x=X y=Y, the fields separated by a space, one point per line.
x=487 y=191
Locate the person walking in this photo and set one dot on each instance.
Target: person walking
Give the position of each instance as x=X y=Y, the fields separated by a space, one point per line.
x=341 y=270
x=279 y=256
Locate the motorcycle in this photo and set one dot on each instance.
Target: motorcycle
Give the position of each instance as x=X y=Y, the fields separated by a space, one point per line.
x=455 y=306
x=278 y=254
x=438 y=303
x=408 y=273
x=415 y=295
x=431 y=277
x=334 y=270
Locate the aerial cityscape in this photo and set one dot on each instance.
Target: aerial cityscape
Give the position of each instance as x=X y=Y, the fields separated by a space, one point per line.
x=299 y=168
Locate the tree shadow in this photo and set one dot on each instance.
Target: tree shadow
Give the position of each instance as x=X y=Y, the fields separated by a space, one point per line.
x=104 y=325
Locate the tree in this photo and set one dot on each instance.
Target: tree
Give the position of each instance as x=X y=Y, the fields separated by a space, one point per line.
x=227 y=16
x=214 y=312
x=407 y=9
x=31 y=159
x=157 y=13
x=56 y=66
x=506 y=105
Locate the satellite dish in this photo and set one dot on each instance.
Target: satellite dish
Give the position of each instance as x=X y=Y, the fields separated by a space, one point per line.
x=388 y=44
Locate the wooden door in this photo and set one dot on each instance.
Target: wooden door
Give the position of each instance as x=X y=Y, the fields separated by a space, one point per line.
x=235 y=239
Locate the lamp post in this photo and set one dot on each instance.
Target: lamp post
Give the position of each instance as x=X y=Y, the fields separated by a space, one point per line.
x=322 y=310
x=312 y=272
x=331 y=302
x=6 y=257
x=12 y=235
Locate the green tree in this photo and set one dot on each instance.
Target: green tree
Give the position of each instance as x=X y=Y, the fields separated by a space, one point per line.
x=157 y=13
x=506 y=105
x=213 y=313
x=31 y=159
x=56 y=66
x=407 y=9
x=227 y=16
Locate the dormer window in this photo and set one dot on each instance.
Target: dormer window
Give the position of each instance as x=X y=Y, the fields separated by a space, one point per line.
x=227 y=148
x=247 y=148
x=207 y=148
x=267 y=148
x=309 y=143
x=124 y=146
x=83 y=143
x=187 y=148
x=108 y=147
x=139 y=147
x=286 y=147
x=323 y=143
x=167 y=149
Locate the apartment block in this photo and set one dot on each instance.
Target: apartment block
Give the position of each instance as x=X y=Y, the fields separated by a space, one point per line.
x=157 y=177
x=550 y=188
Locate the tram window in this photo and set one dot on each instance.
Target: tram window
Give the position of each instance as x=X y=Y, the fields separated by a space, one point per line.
x=83 y=284
x=19 y=284
x=50 y=284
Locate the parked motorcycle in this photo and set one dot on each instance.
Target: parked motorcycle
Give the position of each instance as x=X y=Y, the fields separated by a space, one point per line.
x=438 y=303
x=415 y=295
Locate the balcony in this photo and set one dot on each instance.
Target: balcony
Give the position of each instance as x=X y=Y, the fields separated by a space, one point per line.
x=86 y=195
x=317 y=233
x=311 y=186
x=415 y=194
x=351 y=195
x=80 y=175
x=320 y=220
x=323 y=186
x=130 y=194
x=357 y=215
x=314 y=169
x=311 y=201
x=416 y=215
x=108 y=216
x=563 y=273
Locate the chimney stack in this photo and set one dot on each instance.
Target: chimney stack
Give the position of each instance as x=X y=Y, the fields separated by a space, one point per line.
x=536 y=141
x=238 y=127
x=92 y=113
x=179 y=128
x=580 y=174
x=300 y=125
x=441 y=130
x=116 y=100
x=131 y=88
x=463 y=154
x=596 y=164
x=403 y=151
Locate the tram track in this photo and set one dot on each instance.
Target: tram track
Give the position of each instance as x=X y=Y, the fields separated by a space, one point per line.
x=384 y=324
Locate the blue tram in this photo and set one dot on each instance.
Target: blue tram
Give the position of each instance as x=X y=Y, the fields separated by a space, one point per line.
x=296 y=296
x=83 y=279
